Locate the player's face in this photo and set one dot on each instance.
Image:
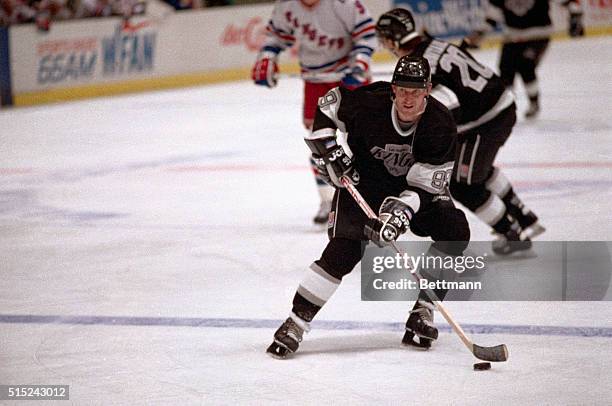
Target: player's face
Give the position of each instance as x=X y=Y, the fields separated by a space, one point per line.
x=389 y=45
x=409 y=102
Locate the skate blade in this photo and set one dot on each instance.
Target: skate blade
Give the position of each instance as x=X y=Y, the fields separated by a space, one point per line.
x=532 y=231
x=517 y=248
x=409 y=341
x=424 y=345
x=514 y=256
x=278 y=351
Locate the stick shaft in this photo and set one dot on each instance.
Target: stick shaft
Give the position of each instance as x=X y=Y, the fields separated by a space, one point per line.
x=335 y=76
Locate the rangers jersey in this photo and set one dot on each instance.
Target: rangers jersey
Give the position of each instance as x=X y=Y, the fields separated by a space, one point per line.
x=332 y=36
x=472 y=91
x=418 y=159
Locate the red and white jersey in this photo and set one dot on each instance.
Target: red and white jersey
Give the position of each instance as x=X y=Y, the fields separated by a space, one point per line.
x=332 y=37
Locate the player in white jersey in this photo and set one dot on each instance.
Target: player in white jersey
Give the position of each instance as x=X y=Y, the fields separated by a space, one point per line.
x=335 y=40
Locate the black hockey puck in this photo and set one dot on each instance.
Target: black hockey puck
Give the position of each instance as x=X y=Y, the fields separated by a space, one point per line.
x=482 y=366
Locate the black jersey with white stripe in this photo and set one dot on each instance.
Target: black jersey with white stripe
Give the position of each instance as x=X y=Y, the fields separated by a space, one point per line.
x=524 y=14
x=526 y=20
x=386 y=154
x=472 y=91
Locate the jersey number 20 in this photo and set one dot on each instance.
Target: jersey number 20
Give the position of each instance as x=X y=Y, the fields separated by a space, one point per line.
x=453 y=56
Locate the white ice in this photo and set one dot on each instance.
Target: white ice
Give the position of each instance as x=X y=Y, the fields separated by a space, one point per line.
x=196 y=204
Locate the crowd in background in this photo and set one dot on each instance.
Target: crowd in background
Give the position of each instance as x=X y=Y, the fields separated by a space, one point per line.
x=42 y=12
x=194 y=4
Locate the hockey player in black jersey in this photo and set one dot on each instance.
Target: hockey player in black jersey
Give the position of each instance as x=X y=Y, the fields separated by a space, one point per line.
x=485 y=113
x=527 y=29
x=401 y=152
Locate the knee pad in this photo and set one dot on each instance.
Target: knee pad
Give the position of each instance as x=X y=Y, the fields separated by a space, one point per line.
x=498 y=183
x=456 y=235
x=452 y=231
x=340 y=256
x=471 y=196
x=324 y=276
x=460 y=227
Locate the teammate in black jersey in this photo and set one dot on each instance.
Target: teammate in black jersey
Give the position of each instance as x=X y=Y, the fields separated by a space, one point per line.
x=485 y=113
x=527 y=29
x=401 y=152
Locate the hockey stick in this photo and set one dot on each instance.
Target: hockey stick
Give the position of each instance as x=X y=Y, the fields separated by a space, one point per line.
x=334 y=77
x=496 y=353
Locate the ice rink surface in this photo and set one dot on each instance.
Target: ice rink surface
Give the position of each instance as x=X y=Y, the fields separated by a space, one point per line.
x=151 y=244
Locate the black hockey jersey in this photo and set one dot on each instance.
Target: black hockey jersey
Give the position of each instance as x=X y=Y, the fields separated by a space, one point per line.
x=472 y=91
x=418 y=159
x=523 y=19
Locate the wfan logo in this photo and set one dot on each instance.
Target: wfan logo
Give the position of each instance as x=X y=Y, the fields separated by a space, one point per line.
x=129 y=50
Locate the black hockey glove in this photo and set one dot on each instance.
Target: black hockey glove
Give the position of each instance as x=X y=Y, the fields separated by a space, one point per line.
x=334 y=164
x=320 y=170
x=576 y=27
x=472 y=41
x=393 y=220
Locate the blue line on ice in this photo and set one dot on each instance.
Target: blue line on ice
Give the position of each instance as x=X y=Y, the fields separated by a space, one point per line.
x=320 y=324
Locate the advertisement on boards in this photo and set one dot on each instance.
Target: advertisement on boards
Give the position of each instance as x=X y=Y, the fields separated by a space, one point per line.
x=446 y=18
x=66 y=56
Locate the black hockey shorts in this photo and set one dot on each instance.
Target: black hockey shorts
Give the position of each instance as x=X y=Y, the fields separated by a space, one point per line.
x=477 y=148
x=522 y=58
x=438 y=219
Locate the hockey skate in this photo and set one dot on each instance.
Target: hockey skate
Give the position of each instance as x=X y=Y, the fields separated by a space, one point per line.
x=286 y=339
x=529 y=223
x=420 y=323
x=509 y=243
x=323 y=214
x=527 y=220
x=531 y=227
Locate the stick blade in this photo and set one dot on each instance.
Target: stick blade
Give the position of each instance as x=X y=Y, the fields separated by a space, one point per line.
x=498 y=353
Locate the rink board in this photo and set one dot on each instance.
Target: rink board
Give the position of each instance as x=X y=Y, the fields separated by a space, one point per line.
x=101 y=57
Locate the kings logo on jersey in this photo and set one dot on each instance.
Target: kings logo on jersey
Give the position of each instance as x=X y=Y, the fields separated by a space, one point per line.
x=397 y=158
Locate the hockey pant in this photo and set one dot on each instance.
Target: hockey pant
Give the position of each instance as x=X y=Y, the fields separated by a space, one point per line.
x=439 y=219
x=522 y=58
x=476 y=182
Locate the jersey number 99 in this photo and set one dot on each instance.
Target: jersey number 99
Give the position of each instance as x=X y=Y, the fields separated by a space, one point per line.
x=441 y=178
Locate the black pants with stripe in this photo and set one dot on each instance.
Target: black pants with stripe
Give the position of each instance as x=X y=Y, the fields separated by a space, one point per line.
x=522 y=58
x=478 y=147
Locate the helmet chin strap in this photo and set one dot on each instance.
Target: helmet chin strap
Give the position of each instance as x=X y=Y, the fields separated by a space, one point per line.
x=418 y=115
x=396 y=49
x=425 y=99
